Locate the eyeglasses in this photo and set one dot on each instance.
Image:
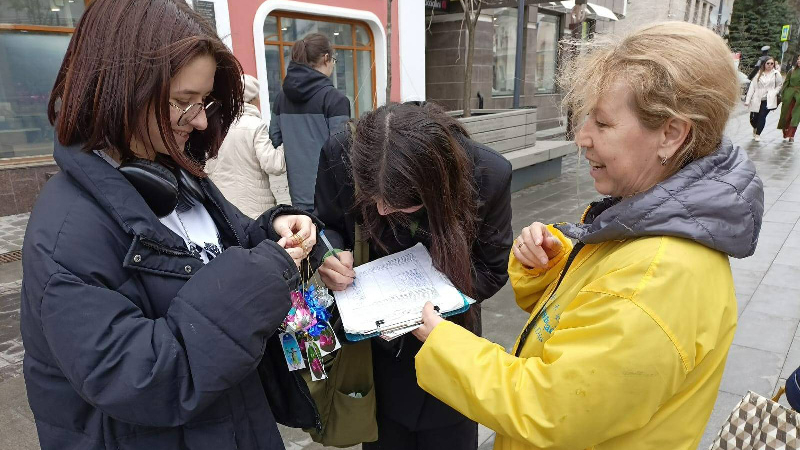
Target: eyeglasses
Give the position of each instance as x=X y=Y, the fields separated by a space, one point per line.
x=770 y=64
x=189 y=113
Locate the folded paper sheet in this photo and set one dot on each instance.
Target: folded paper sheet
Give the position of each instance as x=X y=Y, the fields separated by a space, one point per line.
x=388 y=294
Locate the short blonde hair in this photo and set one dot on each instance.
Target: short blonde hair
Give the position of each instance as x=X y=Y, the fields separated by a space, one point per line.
x=673 y=69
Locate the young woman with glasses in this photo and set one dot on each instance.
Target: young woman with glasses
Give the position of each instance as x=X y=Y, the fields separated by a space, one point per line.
x=149 y=302
x=762 y=96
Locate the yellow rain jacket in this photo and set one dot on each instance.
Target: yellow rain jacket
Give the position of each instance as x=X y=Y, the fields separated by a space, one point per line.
x=629 y=351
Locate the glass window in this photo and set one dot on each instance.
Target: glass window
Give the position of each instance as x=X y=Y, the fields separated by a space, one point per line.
x=343 y=78
x=546 y=53
x=295 y=29
x=504 y=49
x=272 y=53
x=271 y=28
x=54 y=13
x=287 y=58
x=355 y=67
x=362 y=35
x=365 y=68
x=25 y=85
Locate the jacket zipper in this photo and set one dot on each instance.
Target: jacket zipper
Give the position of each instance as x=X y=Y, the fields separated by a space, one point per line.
x=224 y=216
x=528 y=328
x=317 y=421
x=166 y=250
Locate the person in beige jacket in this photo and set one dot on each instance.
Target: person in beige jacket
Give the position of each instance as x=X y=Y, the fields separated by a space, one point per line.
x=247 y=158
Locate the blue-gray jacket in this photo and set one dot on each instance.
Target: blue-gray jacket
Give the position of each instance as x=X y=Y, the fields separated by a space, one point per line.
x=307 y=111
x=131 y=342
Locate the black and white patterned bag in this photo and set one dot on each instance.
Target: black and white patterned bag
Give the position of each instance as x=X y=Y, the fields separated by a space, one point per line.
x=758 y=423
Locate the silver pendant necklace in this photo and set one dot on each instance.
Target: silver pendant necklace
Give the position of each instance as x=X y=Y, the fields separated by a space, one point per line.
x=212 y=249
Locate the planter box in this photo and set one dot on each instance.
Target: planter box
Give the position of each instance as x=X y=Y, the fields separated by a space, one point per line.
x=504 y=130
x=512 y=133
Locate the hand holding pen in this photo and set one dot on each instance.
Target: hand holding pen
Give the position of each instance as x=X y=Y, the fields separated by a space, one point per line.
x=337 y=269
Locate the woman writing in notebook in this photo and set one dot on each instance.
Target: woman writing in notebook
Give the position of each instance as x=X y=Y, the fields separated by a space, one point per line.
x=408 y=174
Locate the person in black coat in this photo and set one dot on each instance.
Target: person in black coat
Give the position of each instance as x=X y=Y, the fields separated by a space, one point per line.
x=149 y=302
x=407 y=174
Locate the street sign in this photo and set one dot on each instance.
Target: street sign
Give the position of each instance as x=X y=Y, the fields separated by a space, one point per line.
x=785 y=33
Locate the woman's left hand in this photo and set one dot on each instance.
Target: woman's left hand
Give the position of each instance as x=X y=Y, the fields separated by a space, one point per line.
x=298 y=235
x=430 y=318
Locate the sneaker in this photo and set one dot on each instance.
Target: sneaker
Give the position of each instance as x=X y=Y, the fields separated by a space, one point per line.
x=791 y=140
x=757 y=138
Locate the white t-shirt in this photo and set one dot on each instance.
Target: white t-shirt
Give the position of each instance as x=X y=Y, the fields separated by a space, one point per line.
x=197 y=229
x=195 y=226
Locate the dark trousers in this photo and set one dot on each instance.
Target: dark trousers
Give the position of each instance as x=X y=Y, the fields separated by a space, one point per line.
x=759 y=119
x=393 y=436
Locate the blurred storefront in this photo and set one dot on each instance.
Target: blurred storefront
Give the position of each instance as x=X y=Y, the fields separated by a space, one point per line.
x=494 y=64
x=34 y=35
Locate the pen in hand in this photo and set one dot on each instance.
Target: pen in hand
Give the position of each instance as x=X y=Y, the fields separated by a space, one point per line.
x=329 y=246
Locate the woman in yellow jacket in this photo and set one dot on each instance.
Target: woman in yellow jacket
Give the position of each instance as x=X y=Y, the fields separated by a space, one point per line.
x=630 y=327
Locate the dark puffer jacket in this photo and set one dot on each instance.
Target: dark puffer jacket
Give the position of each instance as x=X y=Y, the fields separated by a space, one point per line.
x=133 y=343
x=399 y=397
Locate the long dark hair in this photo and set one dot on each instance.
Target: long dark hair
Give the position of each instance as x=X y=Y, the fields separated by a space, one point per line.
x=406 y=155
x=118 y=66
x=310 y=50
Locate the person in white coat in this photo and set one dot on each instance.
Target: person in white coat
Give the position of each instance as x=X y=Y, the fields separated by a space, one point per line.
x=246 y=159
x=762 y=95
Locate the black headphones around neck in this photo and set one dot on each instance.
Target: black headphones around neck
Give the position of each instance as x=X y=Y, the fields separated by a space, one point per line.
x=163 y=190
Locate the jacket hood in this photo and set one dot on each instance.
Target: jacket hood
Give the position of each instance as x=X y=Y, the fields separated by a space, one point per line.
x=251 y=110
x=302 y=82
x=717 y=201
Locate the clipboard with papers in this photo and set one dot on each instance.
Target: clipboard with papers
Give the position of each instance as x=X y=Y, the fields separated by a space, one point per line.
x=387 y=295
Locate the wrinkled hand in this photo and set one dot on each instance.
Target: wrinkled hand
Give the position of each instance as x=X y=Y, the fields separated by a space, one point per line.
x=336 y=274
x=536 y=246
x=300 y=225
x=430 y=318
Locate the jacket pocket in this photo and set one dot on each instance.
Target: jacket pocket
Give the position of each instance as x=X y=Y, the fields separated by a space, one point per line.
x=154 y=439
x=52 y=437
x=217 y=434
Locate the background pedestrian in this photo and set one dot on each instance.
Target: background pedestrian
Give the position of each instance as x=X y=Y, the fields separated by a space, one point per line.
x=307 y=110
x=790 y=110
x=247 y=158
x=762 y=95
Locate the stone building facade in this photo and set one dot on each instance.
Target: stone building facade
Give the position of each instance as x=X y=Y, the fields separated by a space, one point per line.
x=495 y=47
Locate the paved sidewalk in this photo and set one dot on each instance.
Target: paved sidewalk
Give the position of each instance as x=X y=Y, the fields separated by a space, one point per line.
x=767 y=343
x=12 y=230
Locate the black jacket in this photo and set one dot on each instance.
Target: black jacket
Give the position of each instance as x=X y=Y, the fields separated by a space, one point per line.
x=305 y=113
x=133 y=343
x=399 y=396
